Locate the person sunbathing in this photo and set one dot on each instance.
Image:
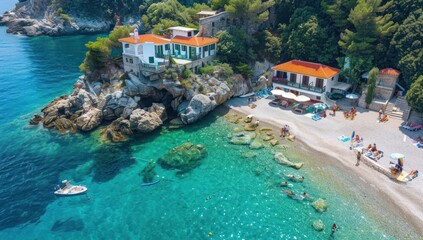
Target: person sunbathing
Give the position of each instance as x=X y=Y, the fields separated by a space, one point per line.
x=374 y=148
x=369 y=147
x=384 y=118
x=376 y=155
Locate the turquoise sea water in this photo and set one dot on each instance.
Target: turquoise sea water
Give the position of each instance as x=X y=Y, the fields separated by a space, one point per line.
x=232 y=197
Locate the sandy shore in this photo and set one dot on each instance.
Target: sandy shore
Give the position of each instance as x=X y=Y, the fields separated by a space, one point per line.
x=404 y=199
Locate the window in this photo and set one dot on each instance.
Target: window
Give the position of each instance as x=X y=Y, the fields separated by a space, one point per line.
x=151 y=59
x=131 y=61
x=293 y=77
x=305 y=80
x=189 y=34
x=126 y=59
x=319 y=83
x=212 y=24
x=184 y=48
x=318 y=98
x=212 y=47
x=126 y=45
x=177 y=47
x=167 y=47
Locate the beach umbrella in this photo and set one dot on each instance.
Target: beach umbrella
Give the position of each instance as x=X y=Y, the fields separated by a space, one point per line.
x=288 y=95
x=320 y=106
x=352 y=96
x=302 y=98
x=397 y=155
x=352 y=134
x=277 y=92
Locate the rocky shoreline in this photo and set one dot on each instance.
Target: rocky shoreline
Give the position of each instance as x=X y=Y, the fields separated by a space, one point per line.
x=129 y=104
x=42 y=17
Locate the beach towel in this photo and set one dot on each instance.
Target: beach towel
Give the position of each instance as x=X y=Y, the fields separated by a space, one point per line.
x=344 y=138
x=316 y=117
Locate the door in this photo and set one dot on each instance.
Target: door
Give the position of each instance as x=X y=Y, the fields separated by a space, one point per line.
x=305 y=81
x=319 y=83
x=192 y=53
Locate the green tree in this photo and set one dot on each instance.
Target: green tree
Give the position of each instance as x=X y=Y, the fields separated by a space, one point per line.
x=371 y=85
x=273 y=47
x=218 y=4
x=338 y=10
x=406 y=48
x=168 y=9
x=249 y=11
x=310 y=41
x=233 y=47
x=117 y=33
x=366 y=41
x=414 y=96
x=97 y=55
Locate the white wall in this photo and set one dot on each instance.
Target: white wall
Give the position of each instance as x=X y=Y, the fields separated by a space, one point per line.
x=181 y=33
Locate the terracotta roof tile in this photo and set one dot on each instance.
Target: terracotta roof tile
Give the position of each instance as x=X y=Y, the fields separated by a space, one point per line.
x=389 y=71
x=194 y=41
x=146 y=38
x=307 y=68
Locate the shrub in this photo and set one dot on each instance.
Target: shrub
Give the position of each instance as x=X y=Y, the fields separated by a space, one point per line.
x=207 y=70
x=186 y=73
x=187 y=84
x=415 y=95
x=65 y=17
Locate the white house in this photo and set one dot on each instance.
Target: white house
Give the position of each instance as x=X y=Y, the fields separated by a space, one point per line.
x=149 y=53
x=307 y=78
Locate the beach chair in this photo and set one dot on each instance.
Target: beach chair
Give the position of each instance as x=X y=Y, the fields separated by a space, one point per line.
x=412 y=126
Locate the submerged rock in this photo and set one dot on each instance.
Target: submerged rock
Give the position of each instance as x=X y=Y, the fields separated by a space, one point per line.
x=274 y=142
x=243 y=138
x=148 y=172
x=268 y=137
x=282 y=159
x=256 y=145
x=318 y=225
x=248 y=154
x=320 y=205
x=184 y=157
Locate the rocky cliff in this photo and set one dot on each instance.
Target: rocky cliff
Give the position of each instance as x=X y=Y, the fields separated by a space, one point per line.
x=42 y=17
x=130 y=104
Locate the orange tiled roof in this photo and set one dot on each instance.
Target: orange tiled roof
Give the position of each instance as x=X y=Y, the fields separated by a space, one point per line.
x=307 y=68
x=389 y=71
x=146 y=38
x=194 y=41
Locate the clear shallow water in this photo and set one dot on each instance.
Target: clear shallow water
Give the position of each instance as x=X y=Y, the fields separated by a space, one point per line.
x=232 y=197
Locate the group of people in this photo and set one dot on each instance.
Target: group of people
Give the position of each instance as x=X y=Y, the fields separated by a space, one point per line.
x=291 y=193
x=373 y=152
x=285 y=131
x=350 y=114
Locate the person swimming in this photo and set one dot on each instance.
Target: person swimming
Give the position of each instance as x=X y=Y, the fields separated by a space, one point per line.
x=306 y=195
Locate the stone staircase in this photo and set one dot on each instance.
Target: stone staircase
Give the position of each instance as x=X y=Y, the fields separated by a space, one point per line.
x=398 y=108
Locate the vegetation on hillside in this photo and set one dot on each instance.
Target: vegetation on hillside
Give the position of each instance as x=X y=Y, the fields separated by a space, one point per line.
x=361 y=33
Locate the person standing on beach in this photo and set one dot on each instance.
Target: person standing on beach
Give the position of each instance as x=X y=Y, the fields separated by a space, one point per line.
x=334 y=107
x=358 y=158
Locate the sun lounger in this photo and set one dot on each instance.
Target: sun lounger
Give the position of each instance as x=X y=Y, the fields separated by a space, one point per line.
x=344 y=138
x=412 y=126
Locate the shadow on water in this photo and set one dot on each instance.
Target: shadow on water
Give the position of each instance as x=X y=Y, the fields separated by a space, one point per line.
x=68 y=225
x=109 y=159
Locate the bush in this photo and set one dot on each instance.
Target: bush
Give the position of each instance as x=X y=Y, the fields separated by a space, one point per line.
x=186 y=73
x=207 y=70
x=187 y=84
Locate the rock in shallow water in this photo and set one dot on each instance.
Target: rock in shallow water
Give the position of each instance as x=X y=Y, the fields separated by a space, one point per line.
x=243 y=138
x=318 y=225
x=256 y=145
x=320 y=205
x=280 y=158
x=184 y=157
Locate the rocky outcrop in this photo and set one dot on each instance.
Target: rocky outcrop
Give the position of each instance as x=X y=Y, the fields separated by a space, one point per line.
x=118 y=105
x=143 y=121
x=318 y=225
x=40 y=17
x=197 y=108
x=89 y=120
x=184 y=157
x=280 y=158
x=117 y=131
x=242 y=138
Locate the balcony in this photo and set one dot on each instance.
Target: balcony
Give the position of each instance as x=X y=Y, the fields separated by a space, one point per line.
x=155 y=68
x=285 y=82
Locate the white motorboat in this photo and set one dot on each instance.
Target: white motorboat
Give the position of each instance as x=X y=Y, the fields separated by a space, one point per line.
x=67 y=189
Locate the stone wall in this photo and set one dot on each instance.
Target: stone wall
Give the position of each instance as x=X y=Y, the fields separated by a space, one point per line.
x=213 y=24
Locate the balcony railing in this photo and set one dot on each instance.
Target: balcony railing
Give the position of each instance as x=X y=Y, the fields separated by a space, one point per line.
x=157 y=68
x=285 y=82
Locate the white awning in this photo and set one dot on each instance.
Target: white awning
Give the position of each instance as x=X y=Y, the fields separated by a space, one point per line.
x=342 y=86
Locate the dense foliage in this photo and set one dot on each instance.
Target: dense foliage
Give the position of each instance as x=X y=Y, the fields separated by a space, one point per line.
x=354 y=35
x=415 y=95
x=99 y=52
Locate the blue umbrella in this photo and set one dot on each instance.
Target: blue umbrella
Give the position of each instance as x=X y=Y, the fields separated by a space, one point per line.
x=320 y=106
x=353 y=134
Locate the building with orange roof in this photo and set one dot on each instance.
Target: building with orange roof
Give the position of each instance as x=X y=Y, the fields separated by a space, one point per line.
x=149 y=53
x=307 y=78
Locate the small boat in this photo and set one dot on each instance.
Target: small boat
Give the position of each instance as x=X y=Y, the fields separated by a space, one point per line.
x=67 y=189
